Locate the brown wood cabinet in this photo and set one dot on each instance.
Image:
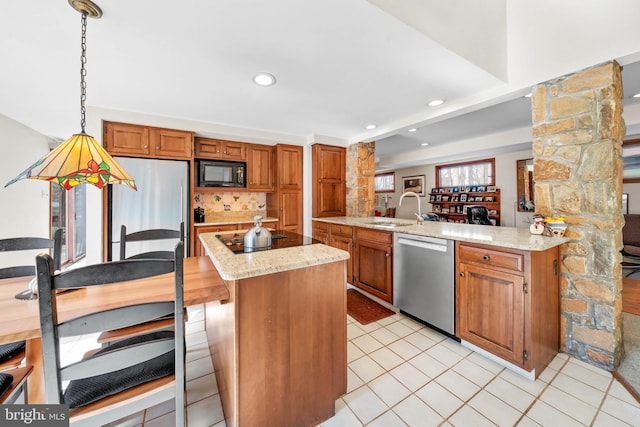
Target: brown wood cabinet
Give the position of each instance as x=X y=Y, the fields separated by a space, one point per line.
x=289 y=167
x=285 y=202
x=320 y=231
x=260 y=168
x=328 y=181
x=198 y=249
x=279 y=346
x=123 y=139
x=373 y=262
x=218 y=149
x=337 y=236
x=507 y=303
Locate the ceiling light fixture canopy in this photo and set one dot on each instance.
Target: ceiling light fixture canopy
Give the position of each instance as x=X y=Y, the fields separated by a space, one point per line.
x=80 y=159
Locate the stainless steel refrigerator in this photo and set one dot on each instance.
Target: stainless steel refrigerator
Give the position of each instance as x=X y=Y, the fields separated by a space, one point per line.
x=162 y=201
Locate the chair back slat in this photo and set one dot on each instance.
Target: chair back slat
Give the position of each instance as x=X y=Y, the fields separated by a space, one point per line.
x=19 y=271
x=116 y=360
x=25 y=243
x=146 y=236
x=153 y=255
x=14 y=244
x=154 y=234
x=112 y=272
x=116 y=318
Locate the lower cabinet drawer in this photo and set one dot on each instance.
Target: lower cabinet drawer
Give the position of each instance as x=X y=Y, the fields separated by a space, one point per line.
x=341 y=230
x=491 y=257
x=374 y=235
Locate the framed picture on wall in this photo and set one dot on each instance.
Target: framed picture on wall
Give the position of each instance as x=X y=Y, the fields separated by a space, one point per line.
x=413 y=183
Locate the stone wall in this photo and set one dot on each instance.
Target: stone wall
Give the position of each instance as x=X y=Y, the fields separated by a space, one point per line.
x=578 y=131
x=361 y=168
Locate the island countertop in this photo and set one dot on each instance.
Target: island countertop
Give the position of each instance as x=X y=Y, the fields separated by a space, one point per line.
x=232 y=266
x=506 y=237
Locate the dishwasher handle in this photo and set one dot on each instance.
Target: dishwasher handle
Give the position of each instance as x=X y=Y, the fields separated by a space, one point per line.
x=423 y=245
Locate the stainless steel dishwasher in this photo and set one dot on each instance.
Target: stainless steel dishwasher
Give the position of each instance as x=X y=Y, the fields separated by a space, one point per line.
x=423 y=280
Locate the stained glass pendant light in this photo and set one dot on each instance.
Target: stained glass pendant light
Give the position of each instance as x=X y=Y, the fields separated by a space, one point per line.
x=80 y=159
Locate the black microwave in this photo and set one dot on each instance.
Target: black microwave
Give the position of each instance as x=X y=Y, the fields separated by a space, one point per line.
x=221 y=173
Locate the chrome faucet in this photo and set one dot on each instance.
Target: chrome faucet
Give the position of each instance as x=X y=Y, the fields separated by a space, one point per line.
x=411 y=193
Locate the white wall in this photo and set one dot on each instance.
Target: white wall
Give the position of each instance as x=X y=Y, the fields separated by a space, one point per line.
x=506 y=180
x=633 y=189
x=24 y=205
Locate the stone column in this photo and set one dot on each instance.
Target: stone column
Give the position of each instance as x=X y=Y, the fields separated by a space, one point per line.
x=578 y=131
x=361 y=168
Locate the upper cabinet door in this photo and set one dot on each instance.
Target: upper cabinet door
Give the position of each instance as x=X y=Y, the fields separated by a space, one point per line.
x=289 y=163
x=172 y=144
x=260 y=168
x=123 y=139
x=209 y=148
x=127 y=140
x=328 y=183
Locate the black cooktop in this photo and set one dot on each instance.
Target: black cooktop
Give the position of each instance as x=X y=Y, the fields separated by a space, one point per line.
x=279 y=239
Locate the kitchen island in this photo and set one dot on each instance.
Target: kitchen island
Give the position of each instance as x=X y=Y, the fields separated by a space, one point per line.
x=278 y=343
x=504 y=293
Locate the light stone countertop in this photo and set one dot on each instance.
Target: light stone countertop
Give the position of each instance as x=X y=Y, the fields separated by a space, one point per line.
x=232 y=266
x=506 y=237
x=223 y=220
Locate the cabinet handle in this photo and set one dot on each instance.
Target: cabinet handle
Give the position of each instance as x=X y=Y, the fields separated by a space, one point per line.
x=461 y=274
x=486 y=257
x=146 y=146
x=388 y=254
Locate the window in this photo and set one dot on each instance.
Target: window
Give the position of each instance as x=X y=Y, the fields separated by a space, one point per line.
x=384 y=182
x=477 y=172
x=68 y=211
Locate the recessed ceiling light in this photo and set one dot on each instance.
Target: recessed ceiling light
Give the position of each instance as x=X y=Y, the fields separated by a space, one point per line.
x=264 y=79
x=412 y=130
x=369 y=127
x=436 y=102
x=637 y=95
x=528 y=95
x=424 y=144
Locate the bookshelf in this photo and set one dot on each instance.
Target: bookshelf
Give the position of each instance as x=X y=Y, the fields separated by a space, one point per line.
x=450 y=203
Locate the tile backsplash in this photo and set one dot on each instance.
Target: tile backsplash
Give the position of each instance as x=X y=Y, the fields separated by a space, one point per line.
x=217 y=203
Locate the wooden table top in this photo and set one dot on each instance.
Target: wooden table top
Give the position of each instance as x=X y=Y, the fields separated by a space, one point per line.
x=20 y=319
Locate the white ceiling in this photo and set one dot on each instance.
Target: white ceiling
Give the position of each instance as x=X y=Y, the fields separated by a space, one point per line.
x=339 y=64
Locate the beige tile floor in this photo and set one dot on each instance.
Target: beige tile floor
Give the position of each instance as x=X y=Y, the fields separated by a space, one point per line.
x=404 y=374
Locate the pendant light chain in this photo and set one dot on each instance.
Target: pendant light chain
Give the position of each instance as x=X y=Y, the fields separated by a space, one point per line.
x=83 y=72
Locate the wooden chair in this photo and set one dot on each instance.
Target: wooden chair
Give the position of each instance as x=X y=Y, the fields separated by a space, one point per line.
x=12 y=354
x=149 y=235
x=128 y=376
x=109 y=337
x=13 y=385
